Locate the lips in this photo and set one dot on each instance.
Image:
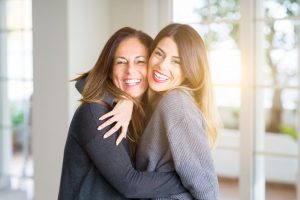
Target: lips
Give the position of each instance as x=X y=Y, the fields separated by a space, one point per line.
x=159 y=77
x=131 y=82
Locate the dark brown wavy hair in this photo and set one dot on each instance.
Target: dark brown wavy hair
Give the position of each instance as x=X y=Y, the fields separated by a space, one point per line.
x=99 y=80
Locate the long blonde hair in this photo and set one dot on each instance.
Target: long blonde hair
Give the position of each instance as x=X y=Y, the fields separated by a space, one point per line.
x=99 y=80
x=196 y=70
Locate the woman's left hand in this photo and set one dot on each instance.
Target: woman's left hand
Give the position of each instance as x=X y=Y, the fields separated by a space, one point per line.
x=121 y=114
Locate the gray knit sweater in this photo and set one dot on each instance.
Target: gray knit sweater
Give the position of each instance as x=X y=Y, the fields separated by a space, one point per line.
x=175 y=139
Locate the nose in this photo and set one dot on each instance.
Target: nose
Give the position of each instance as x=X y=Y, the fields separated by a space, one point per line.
x=164 y=64
x=130 y=67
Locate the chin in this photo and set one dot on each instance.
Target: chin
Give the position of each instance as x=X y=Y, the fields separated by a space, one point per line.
x=136 y=95
x=156 y=88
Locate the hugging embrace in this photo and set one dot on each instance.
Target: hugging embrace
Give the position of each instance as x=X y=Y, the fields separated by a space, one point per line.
x=147 y=121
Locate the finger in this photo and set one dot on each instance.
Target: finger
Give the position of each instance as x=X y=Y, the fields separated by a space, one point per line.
x=124 y=131
x=112 y=130
x=107 y=115
x=106 y=123
x=121 y=136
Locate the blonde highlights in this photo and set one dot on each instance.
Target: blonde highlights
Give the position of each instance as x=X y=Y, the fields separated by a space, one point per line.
x=195 y=67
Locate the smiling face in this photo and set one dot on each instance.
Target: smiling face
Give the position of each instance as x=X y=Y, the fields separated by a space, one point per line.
x=130 y=67
x=164 y=70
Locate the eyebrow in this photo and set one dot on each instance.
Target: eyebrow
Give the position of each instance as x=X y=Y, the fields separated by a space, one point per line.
x=161 y=50
x=140 y=57
x=176 y=57
x=121 y=57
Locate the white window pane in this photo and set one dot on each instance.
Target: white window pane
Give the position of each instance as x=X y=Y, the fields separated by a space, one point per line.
x=19 y=90
x=225 y=66
x=281 y=9
x=280 y=64
x=18 y=14
x=228 y=102
x=224 y=10
x=223 y=53
x=19 y=55
x=281 y=111
x=188 y=11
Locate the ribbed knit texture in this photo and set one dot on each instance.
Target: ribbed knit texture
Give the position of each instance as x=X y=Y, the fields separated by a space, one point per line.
x=175 y=139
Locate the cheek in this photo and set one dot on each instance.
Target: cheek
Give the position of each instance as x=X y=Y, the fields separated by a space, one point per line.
x=116 y=75
x=179 y=76
x=144 y=71
x=152 y=62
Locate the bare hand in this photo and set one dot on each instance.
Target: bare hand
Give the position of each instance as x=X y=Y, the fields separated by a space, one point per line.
x=121 y=114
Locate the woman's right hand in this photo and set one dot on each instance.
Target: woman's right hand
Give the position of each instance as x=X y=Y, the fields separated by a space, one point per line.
x=121 y=115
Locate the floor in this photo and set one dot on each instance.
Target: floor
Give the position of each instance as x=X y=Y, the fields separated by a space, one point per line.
x=274 y=191
x=22 y=188
x=228 y=191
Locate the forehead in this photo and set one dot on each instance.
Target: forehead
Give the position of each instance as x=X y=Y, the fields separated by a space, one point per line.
x=169 y=46
x=131 y=47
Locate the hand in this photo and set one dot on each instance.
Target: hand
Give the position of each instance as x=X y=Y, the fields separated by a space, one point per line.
x=121 y=114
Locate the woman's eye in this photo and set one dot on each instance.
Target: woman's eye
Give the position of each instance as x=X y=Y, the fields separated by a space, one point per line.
x=141 y=62
x=157 y=53
x=177 y=62
x=121 y=62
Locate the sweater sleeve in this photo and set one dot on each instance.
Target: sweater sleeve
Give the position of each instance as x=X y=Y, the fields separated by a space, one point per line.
x=192 y=159
x=114 y=162
x=188 y=143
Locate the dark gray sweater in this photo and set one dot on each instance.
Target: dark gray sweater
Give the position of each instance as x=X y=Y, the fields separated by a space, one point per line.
x=95 y=168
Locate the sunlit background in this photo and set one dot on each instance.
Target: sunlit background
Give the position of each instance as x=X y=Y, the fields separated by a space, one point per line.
x=256 y=84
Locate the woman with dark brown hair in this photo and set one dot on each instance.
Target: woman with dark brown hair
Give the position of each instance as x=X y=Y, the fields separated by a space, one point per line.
x=94 y=168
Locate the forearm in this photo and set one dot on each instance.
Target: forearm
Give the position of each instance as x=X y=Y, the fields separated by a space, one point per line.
x=151 y=185
x=114 y=163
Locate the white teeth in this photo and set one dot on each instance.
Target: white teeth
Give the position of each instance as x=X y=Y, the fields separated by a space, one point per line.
x=160 y=76
x=132 y=81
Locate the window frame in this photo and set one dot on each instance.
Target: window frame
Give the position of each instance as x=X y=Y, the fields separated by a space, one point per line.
x=251 y=123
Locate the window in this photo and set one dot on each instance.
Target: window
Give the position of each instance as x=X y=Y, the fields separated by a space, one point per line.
x=16 y=88
x=275 y=84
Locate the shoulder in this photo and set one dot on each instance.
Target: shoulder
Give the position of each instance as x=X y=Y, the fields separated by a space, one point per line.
x=86 y=120
x=93 y=109
x=87 y=111
x=176 y=100
x=177 y=106
x=88 y=114
x=176 y=94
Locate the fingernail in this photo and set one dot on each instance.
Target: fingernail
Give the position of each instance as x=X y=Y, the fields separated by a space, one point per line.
x=99 y=128
x=105 y=136
x=100 y=118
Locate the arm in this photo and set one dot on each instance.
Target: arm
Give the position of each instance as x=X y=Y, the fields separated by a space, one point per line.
x=114 y=163
x=121 y=114
x=192 y=158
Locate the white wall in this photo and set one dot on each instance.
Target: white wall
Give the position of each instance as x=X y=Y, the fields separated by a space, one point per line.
x=147 y=15
x=50 y=99
x=68 y=37
x=88 y=26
